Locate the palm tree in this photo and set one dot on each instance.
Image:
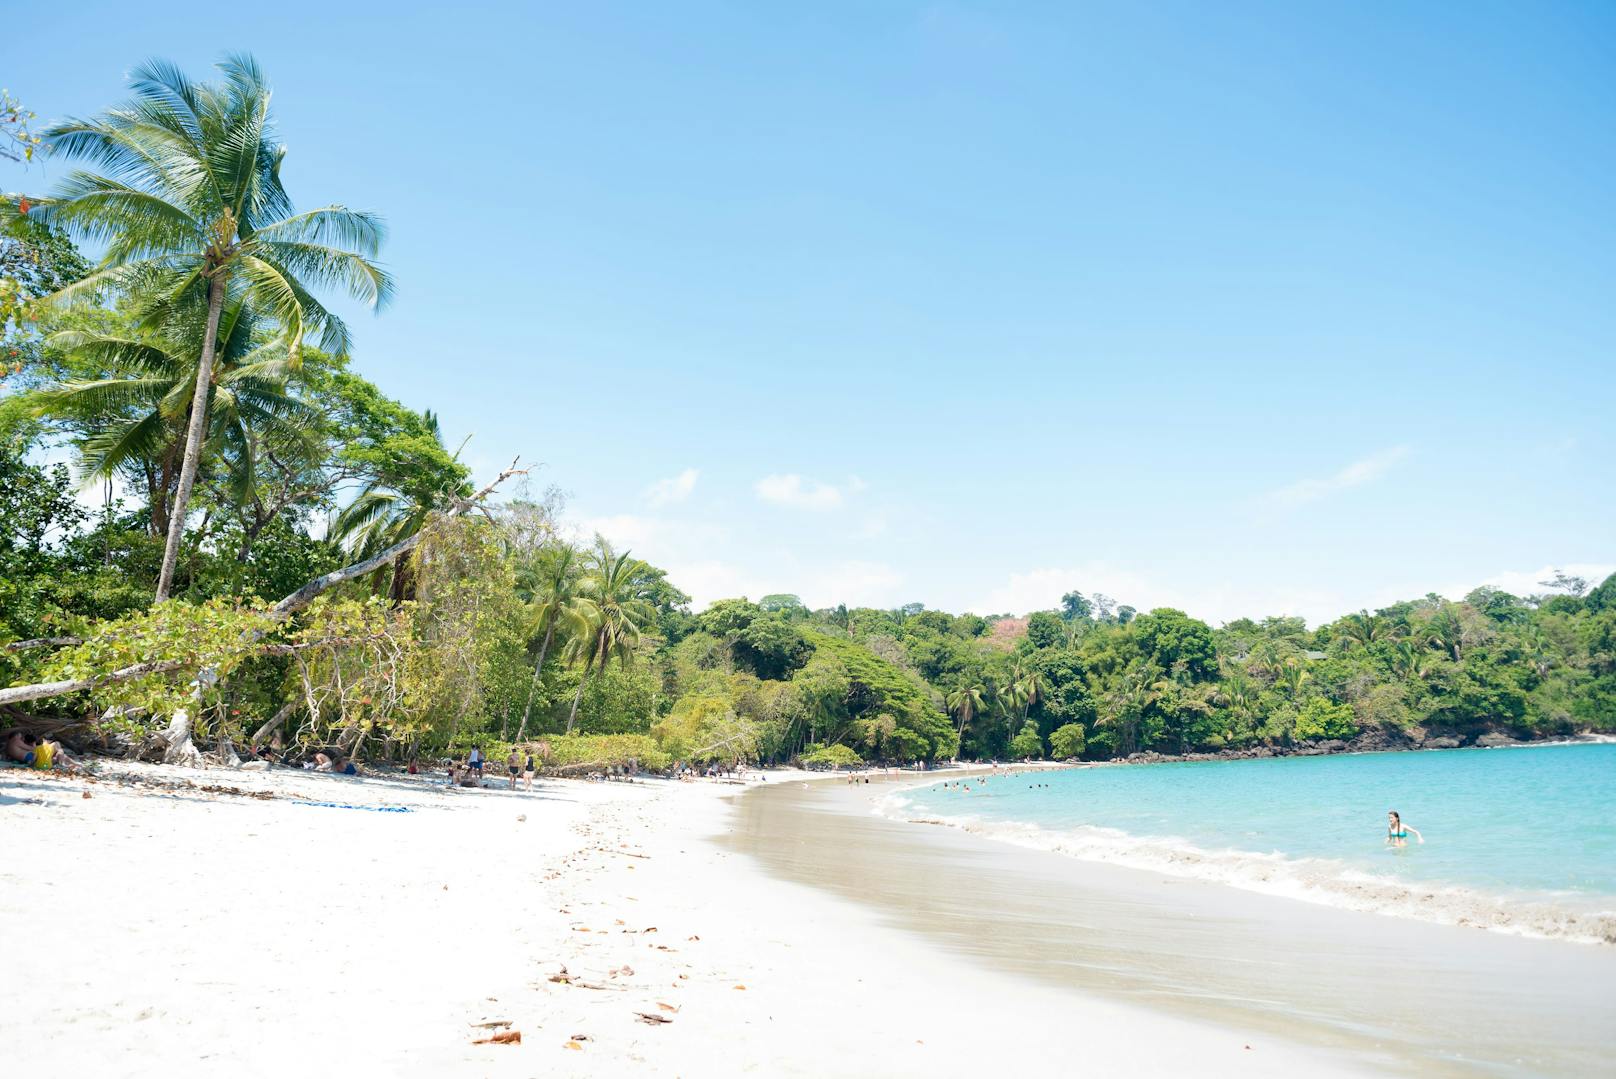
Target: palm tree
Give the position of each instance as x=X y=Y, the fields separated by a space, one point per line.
x=389 y=509
x=1446 y=632
x=965 y=702
x=134 y=418
x=1126 y=705
x=615 y=610
x=557 y=602
x=1011 y=696
x=1032 y=687
x=190 y=198
x=1292 y=674
x=1363 y=628
x=1539 y=650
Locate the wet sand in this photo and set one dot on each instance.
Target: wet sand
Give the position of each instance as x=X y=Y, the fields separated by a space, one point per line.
x=1395 y=994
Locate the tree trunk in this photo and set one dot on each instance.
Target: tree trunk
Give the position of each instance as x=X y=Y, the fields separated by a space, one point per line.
x=578 y=696
x=175 y=742
x=193 y=440
x=572 y=716
x=401 y=588
x=287 y=607
x=274 y=723
x=533 y=686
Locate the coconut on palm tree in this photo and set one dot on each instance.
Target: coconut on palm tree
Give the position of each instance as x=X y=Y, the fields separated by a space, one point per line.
x=188 y=202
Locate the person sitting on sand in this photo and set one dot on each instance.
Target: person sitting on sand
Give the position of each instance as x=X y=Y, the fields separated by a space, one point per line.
x=323 y=763
x=345 y=766
x=32 y=751
x=1397 y=831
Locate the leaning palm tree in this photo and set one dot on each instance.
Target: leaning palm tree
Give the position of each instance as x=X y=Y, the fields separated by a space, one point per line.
x=558 y=603
x=189 y=193
x=133 y=418
x=616 y=610
x=391 y=508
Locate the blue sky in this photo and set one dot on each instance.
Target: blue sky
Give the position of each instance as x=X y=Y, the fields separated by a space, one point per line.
x=1249 y=309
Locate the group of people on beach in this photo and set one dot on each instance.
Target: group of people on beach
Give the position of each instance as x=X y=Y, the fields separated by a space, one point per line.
x=332 y=762
x=470 y=771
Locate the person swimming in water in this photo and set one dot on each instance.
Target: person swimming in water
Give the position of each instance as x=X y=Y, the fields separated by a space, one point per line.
x=1397 y=832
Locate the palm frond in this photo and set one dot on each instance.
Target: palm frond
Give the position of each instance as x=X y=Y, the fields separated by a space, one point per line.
x=330 y=267
x=103 y=453
x=358 y=229
x=280 y=293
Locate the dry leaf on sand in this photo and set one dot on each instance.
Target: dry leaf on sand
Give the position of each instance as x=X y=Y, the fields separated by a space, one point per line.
x=504 y=1037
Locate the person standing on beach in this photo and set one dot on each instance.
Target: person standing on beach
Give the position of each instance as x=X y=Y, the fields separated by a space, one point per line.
x=1397 y=831
x=513 y=765
x=475 y=762
x=527 y=773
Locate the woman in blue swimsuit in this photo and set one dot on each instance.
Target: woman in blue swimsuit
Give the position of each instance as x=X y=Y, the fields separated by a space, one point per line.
x=1397 y=832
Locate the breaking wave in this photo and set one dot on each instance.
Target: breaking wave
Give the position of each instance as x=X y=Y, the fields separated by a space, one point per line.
x=1312 y=880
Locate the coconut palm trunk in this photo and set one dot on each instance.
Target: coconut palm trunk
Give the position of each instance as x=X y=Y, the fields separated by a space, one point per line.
x=193 y=440
x=533 y=686
x=572 y=716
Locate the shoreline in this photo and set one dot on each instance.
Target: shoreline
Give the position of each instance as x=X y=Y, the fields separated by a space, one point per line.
x=260 y=922
x=1481 y=1003
x=1543 y=915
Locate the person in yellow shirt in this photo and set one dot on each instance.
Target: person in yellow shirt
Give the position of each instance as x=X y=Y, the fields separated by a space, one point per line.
x=32 y=751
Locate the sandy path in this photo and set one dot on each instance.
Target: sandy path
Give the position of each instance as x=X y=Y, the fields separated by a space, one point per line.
x=216 y=934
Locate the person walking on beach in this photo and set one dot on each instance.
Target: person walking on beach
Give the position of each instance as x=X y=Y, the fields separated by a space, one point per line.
x=1397 y=831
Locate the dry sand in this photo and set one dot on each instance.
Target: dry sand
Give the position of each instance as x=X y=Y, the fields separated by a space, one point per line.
x=155 y=928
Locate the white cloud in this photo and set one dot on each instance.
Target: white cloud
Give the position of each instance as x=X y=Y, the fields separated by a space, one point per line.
x=1041 y=590
x=625 y=531
x=792 y=490
x=1529 y=582
x=673 y=489
x=1356 y=474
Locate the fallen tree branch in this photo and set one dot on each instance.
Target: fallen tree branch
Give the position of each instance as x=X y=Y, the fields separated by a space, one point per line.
x=279 y=613
x=305 y=595
x=43 y=642
x=166 y=666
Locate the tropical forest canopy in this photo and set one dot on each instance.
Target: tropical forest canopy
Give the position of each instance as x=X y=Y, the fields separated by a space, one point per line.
x=282 y=553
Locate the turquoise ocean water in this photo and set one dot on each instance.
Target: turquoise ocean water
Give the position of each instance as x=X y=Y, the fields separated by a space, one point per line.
x=1519 y=839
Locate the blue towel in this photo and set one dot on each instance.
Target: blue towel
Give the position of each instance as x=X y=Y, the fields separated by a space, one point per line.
x=345 y=805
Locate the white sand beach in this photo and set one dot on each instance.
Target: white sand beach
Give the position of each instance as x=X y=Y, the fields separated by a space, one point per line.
x=165 y=929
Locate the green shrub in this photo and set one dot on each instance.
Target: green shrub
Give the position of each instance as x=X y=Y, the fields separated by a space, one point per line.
x=1321 y=719
x=836 y=756
x=604 y=750
x=1027 y=743
x=1069 y=740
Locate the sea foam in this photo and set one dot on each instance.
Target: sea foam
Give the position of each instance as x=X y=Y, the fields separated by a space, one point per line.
x=1312 y=880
